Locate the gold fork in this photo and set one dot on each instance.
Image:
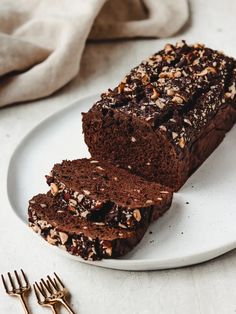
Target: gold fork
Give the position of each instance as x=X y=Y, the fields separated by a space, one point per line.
x=19 y=291
x=52 y=291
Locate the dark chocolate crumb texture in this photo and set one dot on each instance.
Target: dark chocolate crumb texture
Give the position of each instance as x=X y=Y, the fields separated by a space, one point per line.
x=167 y=116
x=107 y=195
x=49 y=217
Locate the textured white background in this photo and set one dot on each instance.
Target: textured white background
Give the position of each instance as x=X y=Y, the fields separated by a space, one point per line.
x=208 y=288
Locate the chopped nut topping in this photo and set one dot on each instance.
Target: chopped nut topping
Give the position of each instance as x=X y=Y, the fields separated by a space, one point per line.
x=145 y=79
x=168 y=48
x=100 y=168
x=155 y=94
x=166 y=75
x=63 y=236
x=86 y=192
x=84 y=214
x=43 y=205
x=181 y=142
x=122 y=226
x=170 y=92
x=121 y=87
x=133 y=139
x=159 y=104
x=149 y=202
x=187 y=121
x=174 y=135
x=93 y=161
x=54 y=189
x=206 y=71
x=177 y=74
x=72 y=202
x=80 y=197
x=109 y=251
x=177 y=99
x=180 y=44
x=163 y=128
x=137 y=215
x=51 y=240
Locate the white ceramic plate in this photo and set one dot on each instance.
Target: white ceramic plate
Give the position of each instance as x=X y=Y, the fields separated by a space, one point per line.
x=199 y=226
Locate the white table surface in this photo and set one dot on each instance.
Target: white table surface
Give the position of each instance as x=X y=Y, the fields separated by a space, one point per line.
x=207 y=288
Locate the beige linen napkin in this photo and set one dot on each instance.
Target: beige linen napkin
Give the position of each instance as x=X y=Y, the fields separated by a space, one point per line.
x=41 y=41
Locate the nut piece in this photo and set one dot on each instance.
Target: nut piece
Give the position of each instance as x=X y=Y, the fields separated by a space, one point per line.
x=160 y=104
x=206 y=71
x=86 y=192
x=54 y=189
x=133 y=139
x=177 y=99
x=174 y=135
x=181 y=142
x=72 y=202
x=177 y=74
x=35 y=228
x=163 y=128
x=155 y=94
x=166 y=75
x=168 y=48
x=80 y=198
x=137 y=214
x=145 y=79
x=121 y=87
x=63 y=236
x=149 y=202
x=109 y=251
x=170 y=92
x=51 y=240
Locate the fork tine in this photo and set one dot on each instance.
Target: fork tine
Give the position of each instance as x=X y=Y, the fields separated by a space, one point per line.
x=59 y=280
x=12 y=283
x=36 y=293
x=52 y=283
x=48 y=288
x=18 y=279
x=56 y=284
x=25 y=278
x=41 y=290
x=4 y=283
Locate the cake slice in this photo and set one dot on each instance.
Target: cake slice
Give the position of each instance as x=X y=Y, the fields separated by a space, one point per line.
x=106 y=195
x=49 y=217
x=167 y=115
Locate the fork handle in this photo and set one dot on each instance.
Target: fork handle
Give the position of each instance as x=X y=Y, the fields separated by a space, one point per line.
x=67 y=306
x=26 y=309
x=53 y=307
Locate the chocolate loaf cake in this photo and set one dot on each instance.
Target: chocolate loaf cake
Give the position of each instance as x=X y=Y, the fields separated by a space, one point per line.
x=107 y=195
x=48 y=216
x=167 y=116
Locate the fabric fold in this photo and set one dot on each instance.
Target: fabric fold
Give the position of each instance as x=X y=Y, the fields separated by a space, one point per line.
x=42 y=40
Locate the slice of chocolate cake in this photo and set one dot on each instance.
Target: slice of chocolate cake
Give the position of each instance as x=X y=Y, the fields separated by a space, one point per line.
x=49 y=217
x=167 y=116
x=107 y=195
